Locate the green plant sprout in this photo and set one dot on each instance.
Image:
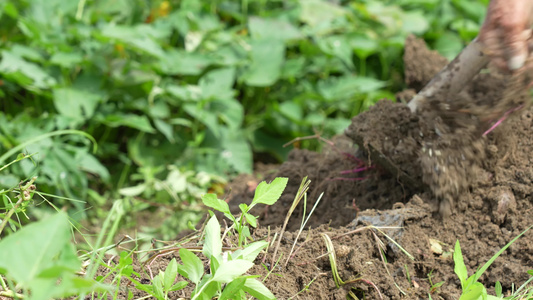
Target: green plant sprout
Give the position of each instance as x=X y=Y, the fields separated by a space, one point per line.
x=226 y=280
x=471 y=287
x=42 y=262
x=265 y=193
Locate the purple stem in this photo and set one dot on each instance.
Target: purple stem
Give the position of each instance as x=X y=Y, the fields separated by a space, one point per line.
x=502 y=119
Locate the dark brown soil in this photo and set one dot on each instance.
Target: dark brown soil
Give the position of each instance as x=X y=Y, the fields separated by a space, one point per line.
x=484 y=181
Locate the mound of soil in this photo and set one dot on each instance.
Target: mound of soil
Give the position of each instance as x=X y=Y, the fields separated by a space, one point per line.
x=482 y=181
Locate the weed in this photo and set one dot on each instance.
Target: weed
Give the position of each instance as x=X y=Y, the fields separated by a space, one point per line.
x=471 y=287
x=265 y=193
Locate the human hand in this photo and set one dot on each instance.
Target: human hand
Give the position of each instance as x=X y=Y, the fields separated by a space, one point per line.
x=506 y=33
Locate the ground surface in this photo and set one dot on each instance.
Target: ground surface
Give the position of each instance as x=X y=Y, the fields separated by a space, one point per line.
x=485 y=182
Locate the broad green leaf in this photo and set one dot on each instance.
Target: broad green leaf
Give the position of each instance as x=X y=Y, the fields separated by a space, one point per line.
x=207 y=118
x=415 y=22
x=291 y=110
x=460 y=267
x=10 y=9
x=251 y=251
x=170 y=274
x=133 y=191
x=363 y=46
x=475 y=292
x=74 y=103
x=449 y=45
x=66 y=59
x=258 y=290
x=192 y=267
x=339 y=46
x=232 y=269
x=250 y=219
x=230 y=111
x=180 y=62
x=157 y=284
x=267 y=59
x=27 y=52
x=269 y=193
x=138 y=37
x=212 y=243
x=218 y=83
x=88 y=163
x=34 y=248
x=237 y=151
x=347 y=86
x=272 y=29
x=130 y=120
x=212 y=201
x=166 y=129
x=13 y=64
x=232 y=289
x=178 y=286
x=315 y=12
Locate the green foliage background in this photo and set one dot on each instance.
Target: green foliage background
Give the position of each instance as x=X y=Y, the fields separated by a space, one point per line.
x=180 y=95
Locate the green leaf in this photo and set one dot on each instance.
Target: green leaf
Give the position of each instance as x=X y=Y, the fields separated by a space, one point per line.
x=251 y=251
x=257 y=289
x=218 y=83
x=339 y=46
x=212 y=243
x=251 y=220
x=267 y=59
x=16 y=66
x=269 y=193
x=475 y=292
x=130 y=120
x=460 y=267
x=74 y=103
x=180 y=62
x=35 y=248
x=170 y=274
x=66 y=59
x=415 y=22
x=178 y=286
x=347 y=86
x=363 y=46
x=232 y=289
x=166 y=129
x=212 y=201
x=230 y=270
x=138 y=37
x=272 y=29
x=133 y=191
x=236 y=151
x=315 y=12
x=192 y=267
x=449 y=45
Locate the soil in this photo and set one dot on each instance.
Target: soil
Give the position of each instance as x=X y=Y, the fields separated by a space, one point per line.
x=450 y=181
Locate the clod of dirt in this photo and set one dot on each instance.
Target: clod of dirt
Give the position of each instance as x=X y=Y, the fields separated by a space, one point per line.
x=417 y=75
x=443 y=145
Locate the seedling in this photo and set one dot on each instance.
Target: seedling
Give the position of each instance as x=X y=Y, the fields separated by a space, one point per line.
x=265 y=193
x=472 y=288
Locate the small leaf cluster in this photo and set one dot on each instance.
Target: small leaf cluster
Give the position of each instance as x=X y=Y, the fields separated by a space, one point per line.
x=265 y=193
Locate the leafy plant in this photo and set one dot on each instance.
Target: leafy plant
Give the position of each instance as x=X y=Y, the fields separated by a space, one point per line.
x=226 y=280
x=265 y=193
x=39 y=262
